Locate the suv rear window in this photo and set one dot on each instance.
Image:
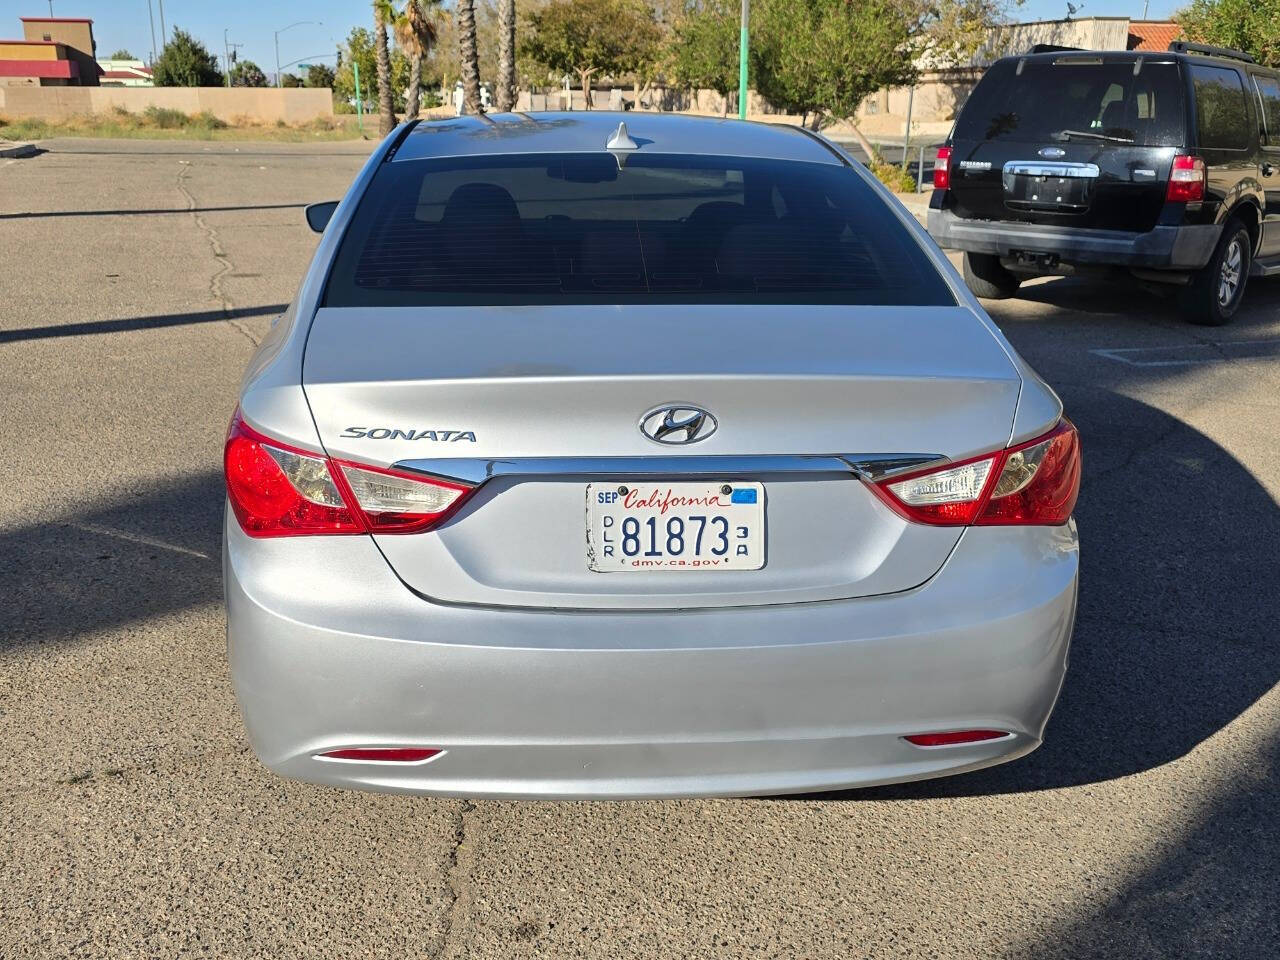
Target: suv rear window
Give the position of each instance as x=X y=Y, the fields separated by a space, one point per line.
x=578 y=228
x=1072 y=98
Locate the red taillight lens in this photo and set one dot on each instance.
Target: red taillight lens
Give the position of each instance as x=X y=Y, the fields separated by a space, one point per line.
x=1033 y=483
x=942 y=169
x=1039 y=481
x=1186 y=180
x=277 y=490
x=383 y=754
x=953 y=737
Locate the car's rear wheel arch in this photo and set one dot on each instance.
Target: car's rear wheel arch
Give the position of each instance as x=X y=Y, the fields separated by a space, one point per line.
x=1249 y=214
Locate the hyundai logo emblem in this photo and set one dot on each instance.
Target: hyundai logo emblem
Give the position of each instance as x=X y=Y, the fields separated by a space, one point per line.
x=1052 y=153
x=677 y=423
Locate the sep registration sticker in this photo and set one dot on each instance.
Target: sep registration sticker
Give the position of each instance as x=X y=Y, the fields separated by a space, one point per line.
x=704 y=525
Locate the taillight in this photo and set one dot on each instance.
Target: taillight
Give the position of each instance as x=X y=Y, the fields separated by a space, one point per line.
x=1033 y=483
x=942 y=169
x=393 y=502
x=277 y=490
x=1186 y=180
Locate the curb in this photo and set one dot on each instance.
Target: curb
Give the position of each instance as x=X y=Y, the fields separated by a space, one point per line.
x=8 y=149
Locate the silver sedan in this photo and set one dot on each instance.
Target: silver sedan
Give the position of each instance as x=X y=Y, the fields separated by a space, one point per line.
x=658 y=458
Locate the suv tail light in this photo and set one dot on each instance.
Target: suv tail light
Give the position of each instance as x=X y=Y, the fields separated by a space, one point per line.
x=942 y=169
x=1033 y=483
x=277 y=490
x=1186 y=180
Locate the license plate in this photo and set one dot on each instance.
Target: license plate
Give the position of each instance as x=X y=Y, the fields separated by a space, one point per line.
x=638 y=526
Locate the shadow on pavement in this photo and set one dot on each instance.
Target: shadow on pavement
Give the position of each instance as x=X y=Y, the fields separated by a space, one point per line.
x=41 y=214
x=1215 y=891
x=137 y=323
x=112 y=564
x=1123 y=297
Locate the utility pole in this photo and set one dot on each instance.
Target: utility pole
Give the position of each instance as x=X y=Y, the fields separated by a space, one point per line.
x=164 y=34
x=152 y=17
x=742 y=61
x=229 y=52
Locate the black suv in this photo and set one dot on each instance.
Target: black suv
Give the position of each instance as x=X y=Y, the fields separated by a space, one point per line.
x=1166 y=164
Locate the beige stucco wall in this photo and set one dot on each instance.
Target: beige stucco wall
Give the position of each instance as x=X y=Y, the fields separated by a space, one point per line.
x=264 y=105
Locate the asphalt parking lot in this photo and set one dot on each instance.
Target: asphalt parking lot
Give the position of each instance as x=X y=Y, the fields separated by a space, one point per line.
x=134 y=820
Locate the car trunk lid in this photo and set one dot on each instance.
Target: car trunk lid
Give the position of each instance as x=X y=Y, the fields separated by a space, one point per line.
x=546 y=400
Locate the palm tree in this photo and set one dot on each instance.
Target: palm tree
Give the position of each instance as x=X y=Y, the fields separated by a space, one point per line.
x=506 y=55
x=415 y=35
x=383 y=13
x=469 y=59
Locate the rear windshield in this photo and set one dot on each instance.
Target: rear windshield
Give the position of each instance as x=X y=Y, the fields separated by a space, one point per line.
x=576 y=228
x=1071 y=98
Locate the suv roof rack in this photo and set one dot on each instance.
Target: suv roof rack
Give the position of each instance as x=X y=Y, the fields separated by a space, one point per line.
x=1183 y=46
x=1053 y=48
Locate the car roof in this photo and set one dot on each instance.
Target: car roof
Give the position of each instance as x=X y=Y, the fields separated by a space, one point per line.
x=589 y=131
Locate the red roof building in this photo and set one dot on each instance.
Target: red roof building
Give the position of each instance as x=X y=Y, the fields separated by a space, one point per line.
x=1153 y=34
x=54 y=51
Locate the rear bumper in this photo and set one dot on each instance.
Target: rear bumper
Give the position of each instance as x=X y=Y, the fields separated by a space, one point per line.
x=1161 y=248
x=328 y=649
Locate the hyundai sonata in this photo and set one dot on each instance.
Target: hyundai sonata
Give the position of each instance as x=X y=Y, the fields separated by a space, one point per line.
x=673 y=460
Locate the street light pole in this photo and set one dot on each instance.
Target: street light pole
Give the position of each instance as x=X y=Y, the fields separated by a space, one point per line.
x=316 y=23
x=742 y=61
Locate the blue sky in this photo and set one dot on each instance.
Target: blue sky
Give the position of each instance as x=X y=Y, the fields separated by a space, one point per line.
x=123 y=23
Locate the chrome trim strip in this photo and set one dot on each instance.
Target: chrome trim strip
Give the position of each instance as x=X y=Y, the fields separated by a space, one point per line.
x=1042 y=168
x=476 y=470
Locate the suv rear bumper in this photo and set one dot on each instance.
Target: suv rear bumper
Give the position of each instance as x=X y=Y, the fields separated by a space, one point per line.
x=1161 y=248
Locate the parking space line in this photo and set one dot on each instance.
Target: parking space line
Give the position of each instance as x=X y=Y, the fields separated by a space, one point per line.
x=138 y=538
x=1182 y=355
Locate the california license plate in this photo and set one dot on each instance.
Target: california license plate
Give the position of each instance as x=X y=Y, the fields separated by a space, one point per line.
x=713 y=525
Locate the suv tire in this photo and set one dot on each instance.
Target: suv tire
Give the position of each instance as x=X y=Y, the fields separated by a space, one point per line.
x=1214 y=294
x=986 y=277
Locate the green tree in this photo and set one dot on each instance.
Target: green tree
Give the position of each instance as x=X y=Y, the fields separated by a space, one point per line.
x=359 y=48
x=702 y=50
x=319 y=75
x=415 y=36
x=824 y=57
x=123 y=54
x=246 y=73
x=593 y=37
x=1249 y=25
x=290 y=80
x=184 y=62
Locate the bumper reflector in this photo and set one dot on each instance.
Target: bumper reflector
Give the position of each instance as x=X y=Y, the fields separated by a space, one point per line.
x=382 y=754
x=954 y=737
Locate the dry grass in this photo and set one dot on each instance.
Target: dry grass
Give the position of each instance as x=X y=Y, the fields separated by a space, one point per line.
x=162 y=124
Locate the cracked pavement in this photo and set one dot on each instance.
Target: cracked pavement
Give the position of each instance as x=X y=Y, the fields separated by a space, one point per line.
x=134 y=820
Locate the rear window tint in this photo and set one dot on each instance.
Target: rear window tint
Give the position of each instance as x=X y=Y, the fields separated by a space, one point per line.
x=1070 y=98
x=1269 y=95
x=1222 y=117
x=576 y=228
